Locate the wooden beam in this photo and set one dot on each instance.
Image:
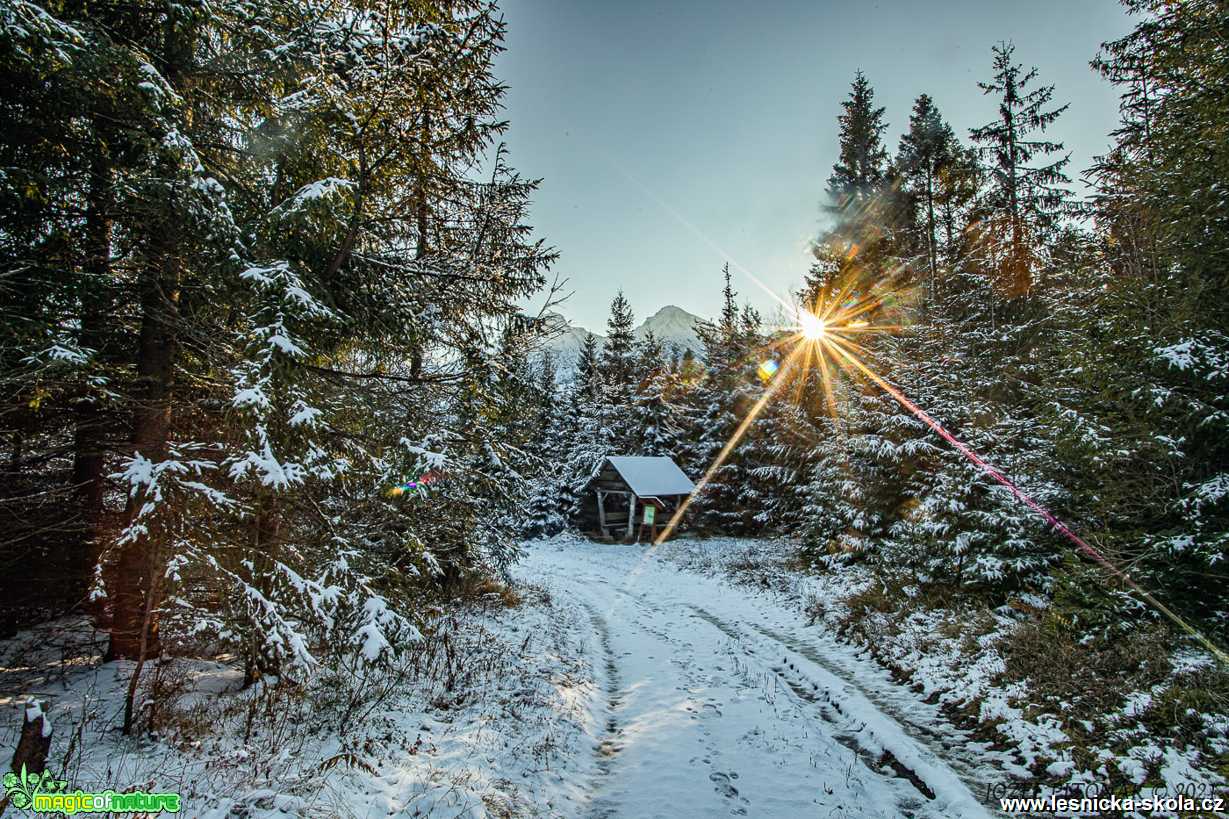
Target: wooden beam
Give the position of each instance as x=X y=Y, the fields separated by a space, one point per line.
x=601 y=511
x=631 y=515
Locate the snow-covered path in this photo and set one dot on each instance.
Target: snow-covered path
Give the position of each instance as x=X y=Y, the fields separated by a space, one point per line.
x=709 y=707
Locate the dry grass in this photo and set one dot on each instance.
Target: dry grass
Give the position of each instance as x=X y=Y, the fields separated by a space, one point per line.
x=1084 y=679
x=870 y=613
x=490 y=590
x=1086 y=683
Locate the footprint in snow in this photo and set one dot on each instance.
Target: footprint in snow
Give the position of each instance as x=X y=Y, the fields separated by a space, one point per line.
x=723 y=787
x=722 y=781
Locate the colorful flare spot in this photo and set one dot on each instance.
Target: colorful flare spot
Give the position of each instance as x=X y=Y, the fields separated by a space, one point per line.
x=431 y=476
x=768 y=369
x=401 y=488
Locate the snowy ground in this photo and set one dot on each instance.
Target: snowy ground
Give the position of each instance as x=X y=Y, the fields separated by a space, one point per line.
x=929 y=664
x=493 y=720
x=716 y=701
x=629 y=682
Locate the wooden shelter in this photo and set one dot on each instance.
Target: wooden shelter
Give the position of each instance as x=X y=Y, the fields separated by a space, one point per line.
x=631 y=495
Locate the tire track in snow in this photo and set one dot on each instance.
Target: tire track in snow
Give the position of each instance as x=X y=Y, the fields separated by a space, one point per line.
x=943 y=745
x=806 y=692
x=875 y=762
x=609 y=746
x=657 y=709
x=874 y=754
x=822 y=702
x=605 y=807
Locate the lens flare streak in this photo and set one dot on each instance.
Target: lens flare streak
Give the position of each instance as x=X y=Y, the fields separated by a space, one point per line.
x=755 y=410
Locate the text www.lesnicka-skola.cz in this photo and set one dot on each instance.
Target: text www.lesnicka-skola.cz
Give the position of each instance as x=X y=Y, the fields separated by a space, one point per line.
x=1086 y=805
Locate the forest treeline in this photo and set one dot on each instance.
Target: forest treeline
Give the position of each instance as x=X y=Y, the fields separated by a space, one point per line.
x=1076 y=343
x=261 y=262
x=258 y=265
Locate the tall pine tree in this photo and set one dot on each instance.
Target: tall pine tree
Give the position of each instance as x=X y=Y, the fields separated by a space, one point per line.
x=926 y=151
x=1025 y=195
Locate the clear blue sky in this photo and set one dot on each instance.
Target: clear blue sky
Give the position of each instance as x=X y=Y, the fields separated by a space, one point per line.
x=726 y=111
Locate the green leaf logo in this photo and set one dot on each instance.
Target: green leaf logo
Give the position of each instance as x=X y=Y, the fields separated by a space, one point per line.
x=22 y=789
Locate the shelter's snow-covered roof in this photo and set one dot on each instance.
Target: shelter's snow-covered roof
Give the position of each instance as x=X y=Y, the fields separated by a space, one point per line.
x=652 y=475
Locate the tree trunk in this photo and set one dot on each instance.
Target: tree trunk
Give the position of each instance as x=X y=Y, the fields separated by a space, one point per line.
x=147 y=645
x=266 y=533
x=134 y=626
x=930 y=227
x=422 y=222
x=138 y=560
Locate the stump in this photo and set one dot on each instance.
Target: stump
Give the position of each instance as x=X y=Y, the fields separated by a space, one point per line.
x=35 y=740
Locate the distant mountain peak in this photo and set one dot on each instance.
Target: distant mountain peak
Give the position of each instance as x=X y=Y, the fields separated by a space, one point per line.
x=673 y=326
x=671 y=311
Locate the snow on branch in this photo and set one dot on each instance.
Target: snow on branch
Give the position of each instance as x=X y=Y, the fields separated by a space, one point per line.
x=34 y=31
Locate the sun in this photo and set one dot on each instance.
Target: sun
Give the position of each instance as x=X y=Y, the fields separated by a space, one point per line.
x=813 y=327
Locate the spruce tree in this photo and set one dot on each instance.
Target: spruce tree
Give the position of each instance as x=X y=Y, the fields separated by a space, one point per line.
x=1164 y=323
x=1022 y=202
x=618 y=359
x=313 y=303
x=926 y=150
x=719 y=402
x=959 y=186
x=546 y=395
x=542 y=513
x=584 y=438
x=866 y=206
x=656 y=419
x=587 y=381
x=617 y=366
x=862 y=168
